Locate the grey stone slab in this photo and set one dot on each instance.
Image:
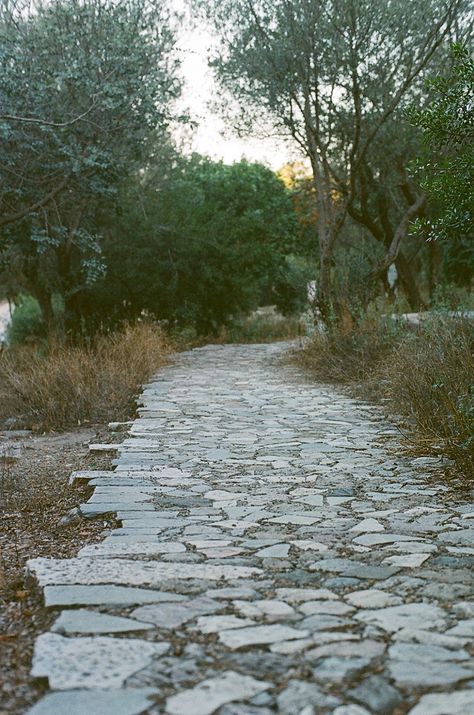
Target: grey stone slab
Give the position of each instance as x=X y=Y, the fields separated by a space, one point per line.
x=410 y=615
x=337 y=670
x=173 y=615
x=55 y=596
x=427 y=674
x=95 y=702
x=115 y=547
x=82 y=621
x=206 y=697
x=99 y=662
x=299 y=694
x=259 y=635
x=89 y=571
x=377 y=693
x=460 y=702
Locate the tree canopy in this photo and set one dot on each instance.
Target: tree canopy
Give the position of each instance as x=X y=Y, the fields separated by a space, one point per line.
x=84 y=86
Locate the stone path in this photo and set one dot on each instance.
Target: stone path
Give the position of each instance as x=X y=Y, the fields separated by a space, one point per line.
x=276 y=555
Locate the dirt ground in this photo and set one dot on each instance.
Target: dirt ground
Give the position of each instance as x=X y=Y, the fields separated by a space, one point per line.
x=34 y=496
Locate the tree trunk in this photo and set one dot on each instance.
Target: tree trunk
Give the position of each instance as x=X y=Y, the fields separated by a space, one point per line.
x=410 y=287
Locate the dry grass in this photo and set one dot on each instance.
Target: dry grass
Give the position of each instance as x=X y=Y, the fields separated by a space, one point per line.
x=265 y=325
x=72 y=385
x=427 y=375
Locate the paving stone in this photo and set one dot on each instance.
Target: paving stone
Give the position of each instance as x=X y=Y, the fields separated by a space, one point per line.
x=299 y=694
x=350 y=710
x=257 y=635
x=463 y=628
x=454 y=703
x=335 y=608
x=276 y=551
x=82 y=621
x=296 y=595
x=368 y=526
x=91 y=662
x=427 y=674
x=104 y=595
x=372 y=598
x=88 y=571
x=271 y=609
x=215 y=624
x=410 y=561
x=111 y=548
x=98 y=702
x=173 y=615
x=337 y=670
x=206 y=697
x=377 y=693
x=411 y=615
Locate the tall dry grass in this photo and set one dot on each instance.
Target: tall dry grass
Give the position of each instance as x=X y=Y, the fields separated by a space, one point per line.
x=68 y=384
x=425 y=374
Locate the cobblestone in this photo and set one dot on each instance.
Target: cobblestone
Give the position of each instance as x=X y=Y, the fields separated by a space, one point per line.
x=278 y=553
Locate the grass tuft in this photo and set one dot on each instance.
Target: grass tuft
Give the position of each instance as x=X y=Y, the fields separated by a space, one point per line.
x=71 y=385
x=425 y=374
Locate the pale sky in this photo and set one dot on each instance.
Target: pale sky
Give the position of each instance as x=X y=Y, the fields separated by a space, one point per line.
x=212 y=137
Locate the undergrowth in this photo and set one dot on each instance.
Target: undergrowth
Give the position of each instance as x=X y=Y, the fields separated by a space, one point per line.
x=425 y=374
x=67 y=385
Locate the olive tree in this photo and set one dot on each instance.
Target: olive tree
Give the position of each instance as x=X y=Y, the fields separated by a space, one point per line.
x=85 y=86
x=334 y=75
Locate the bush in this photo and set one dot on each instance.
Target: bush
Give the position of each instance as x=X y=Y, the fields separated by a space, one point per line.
x=425 y=374
x=264 y=325
x=27 y=324
x=430 y=378
x=351 y=349
x=69 y=385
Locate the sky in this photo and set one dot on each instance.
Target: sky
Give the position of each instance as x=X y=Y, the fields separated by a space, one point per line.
x=212 y=137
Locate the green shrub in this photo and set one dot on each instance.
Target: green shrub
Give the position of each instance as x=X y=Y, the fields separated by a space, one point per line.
x=27 y=324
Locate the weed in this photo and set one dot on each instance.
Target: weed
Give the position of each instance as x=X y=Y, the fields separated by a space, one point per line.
x=70 y=385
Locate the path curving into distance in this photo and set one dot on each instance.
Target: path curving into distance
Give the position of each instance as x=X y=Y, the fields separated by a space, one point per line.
x=278 y=554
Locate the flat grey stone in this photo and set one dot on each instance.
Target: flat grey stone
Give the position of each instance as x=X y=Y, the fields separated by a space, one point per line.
x=173 y=615
x=463 y=536
x=422 y=653
x=259 y=635
x=297 y=595
x=91 y=662
x=377 y=693
x=216 y=624
x=276 y=551
x=300 y=694
x=462 y=628
x=104 y=596
x=460 y=702
x=336 y=670
x=206 y=697
x=89 y=571
x=114 y=547
x=372 y=598
x=96 y=702
x=427 y=674
x=272 y=609
x=82 y=621
x=410 y=615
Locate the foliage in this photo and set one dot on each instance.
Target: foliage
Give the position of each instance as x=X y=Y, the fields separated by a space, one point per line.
x=68 y=385
x=447 y=172
x=203 y=246
x=265 y=325
x=84 y=85
x=424 y=374
x=335 y=75
x=27 y=322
